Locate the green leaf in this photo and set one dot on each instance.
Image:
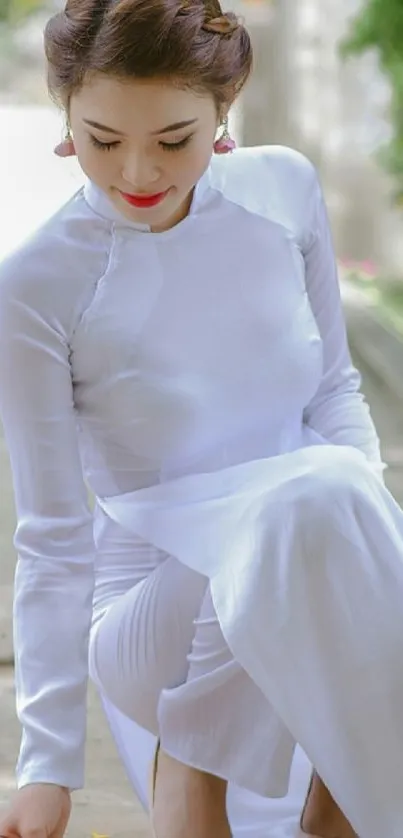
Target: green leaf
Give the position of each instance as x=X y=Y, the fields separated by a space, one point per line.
x=15 y=11
x=379 y=25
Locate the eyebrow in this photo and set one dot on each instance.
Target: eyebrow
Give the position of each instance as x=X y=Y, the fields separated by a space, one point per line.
x=176 y=126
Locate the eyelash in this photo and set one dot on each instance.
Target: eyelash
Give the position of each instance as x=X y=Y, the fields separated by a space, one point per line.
x=166 y=146
x=176 y=146
x=102 y=146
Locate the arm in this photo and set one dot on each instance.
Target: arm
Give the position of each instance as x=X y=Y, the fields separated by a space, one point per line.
x=338 y=411
x=54 y=577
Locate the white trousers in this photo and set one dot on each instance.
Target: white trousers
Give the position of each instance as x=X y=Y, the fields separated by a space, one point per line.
x=164 y=633
x=319 y=643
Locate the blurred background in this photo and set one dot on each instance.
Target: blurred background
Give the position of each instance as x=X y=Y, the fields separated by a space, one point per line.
x=328 y=81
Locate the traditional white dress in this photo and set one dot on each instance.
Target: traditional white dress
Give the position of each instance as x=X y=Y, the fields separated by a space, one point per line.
x=199 y=382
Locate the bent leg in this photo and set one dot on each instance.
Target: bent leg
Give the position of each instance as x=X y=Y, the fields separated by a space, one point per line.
x=215 y=719
x=209 y=654
x=323 y=634
x=141 y=645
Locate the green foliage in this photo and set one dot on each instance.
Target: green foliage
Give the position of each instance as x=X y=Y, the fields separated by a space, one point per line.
x=379 y=25
x=14 y=11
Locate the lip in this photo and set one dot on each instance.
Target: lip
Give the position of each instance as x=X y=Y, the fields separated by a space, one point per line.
x=144 y=201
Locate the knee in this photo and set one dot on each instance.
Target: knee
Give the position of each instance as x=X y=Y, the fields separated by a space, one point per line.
x=137 y=702
x=341 y=480
x=133 y=689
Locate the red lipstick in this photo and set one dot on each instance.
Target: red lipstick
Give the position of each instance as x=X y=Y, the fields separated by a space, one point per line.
x=144 y=201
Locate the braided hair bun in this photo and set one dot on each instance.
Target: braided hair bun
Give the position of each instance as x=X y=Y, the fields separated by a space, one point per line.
x=191 y=42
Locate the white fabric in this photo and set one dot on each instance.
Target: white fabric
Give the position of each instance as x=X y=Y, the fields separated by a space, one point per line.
x=138 y=358
x=251 y=816
x=305 y=564
x=164 y=632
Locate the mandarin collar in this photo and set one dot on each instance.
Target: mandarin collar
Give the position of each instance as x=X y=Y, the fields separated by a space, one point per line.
x=101 y=204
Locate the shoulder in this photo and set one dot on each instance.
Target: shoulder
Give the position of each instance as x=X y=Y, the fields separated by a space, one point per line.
x=257 y=168
x=276 y=182
x=53 y=269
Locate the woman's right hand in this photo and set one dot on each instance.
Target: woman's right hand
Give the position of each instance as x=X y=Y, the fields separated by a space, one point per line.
x=40 y=810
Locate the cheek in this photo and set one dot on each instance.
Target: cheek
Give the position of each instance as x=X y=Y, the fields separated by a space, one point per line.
x=96 y=164
x=190 y=168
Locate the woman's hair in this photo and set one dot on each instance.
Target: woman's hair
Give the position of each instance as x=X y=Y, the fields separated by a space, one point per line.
x=189 y=42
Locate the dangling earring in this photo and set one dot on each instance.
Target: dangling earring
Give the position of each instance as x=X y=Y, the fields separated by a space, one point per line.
x=66 y=147
x=224 y=144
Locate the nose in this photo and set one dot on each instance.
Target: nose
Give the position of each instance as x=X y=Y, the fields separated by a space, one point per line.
x=140 y=170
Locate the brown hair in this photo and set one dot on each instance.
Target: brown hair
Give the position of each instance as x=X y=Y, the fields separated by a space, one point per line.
x=190 y=42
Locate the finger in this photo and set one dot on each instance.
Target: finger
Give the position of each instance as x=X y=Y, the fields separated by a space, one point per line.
x=28 y=831
x=8 y=831
x=59 y=832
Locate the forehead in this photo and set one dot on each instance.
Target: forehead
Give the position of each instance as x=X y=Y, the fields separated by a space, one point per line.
x=134 y=104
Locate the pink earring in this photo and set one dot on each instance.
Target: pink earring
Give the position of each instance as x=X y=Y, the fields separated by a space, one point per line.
x=66 y=147
x=224 y=144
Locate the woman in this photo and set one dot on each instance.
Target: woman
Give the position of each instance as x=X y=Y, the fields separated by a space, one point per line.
x=173 y=338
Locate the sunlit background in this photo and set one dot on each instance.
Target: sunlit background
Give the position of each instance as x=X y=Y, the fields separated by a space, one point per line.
x=328 y=81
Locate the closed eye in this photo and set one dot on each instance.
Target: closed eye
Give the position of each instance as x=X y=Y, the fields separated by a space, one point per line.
x=103 y=146
x=176 y=146
x=164 y=145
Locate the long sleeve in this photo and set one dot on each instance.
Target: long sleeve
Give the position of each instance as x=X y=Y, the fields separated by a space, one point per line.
x=338 y=411
x=54 y=535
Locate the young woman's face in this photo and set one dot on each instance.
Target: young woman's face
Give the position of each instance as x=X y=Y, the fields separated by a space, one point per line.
x=145 y=144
